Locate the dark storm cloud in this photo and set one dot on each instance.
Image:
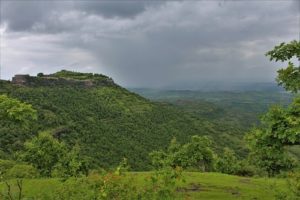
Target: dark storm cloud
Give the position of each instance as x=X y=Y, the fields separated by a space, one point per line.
x=35 y=15
x=149 y=43
x=23 y=15
x=127 y=9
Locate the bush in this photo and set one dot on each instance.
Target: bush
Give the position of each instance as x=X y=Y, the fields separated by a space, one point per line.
x=293 y=192
x=52 y=158
x=11 y=169
x=3 y=155
x=22 y=171
x=246 y=169
x=162 y=184
x=5 y=165
x=196 y=154
x=228 y=163
x=72 y=164
x=43 y=152
x=110 y=185
x=118 y=185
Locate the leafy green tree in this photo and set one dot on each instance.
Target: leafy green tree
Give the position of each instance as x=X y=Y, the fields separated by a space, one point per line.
x=161 y=159
x=158 y=159
x=5 y=165
x=52 y=158
x=280 y=126
x=227 y=162
x=22 y=171
x=44 y=152
x=290 y=76
x=40 y=74
x=14 y=110
x=196 y=154
x=72 y=164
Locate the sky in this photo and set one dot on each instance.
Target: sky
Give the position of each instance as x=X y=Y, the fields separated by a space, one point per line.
x=147 y=43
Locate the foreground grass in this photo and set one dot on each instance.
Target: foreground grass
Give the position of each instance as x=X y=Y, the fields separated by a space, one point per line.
x=222 y=186
x=206 y=186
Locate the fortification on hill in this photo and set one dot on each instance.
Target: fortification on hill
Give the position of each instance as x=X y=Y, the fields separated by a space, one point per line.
x=63 y=78
x=20 y=79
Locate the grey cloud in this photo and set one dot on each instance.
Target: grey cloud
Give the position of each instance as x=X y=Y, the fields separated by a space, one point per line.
x=127 y=9
x=23 y=15
x=43 y=16
x=220 y=47
x=156 y=44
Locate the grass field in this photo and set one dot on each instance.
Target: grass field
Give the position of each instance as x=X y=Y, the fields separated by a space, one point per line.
x=206 y=186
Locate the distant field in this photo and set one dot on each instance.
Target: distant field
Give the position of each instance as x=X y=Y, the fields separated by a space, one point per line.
x=206 y=186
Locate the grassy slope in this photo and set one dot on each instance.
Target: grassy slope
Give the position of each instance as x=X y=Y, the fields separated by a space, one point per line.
x=197 y=186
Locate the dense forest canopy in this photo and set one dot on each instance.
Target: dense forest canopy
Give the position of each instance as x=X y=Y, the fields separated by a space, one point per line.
x=106 y=121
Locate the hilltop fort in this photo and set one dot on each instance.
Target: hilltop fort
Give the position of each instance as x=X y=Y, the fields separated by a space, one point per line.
x=63 y=78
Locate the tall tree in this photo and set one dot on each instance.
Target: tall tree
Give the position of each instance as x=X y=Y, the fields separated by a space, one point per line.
x=280 y=126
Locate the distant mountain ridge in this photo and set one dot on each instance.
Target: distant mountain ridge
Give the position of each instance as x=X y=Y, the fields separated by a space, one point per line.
x=217 y=87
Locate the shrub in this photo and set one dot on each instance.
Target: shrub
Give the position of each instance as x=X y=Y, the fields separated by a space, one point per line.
x=118 y=185
x=246 y=169
x=3 y=155
x=22 y=171
x=162 y=184
x=52 y=158
x=197 y=154
x=43 y=152
x=293 y=192
x=228 y=163
x=6 y=164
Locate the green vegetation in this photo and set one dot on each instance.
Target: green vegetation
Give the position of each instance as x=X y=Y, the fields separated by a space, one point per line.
x=52 y=158
x=16 y=111
x=228 y=162
x=281 y=126
x=77 y=75
x=290 y=76
x=197 y=185
x=75 y=134
x=196 y=154
x=231 y=114
x=107 y=122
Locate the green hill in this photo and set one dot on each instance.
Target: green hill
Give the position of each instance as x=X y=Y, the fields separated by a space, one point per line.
x=106 y=120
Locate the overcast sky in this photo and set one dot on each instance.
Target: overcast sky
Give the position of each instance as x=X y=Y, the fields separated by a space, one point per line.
x=147 y=43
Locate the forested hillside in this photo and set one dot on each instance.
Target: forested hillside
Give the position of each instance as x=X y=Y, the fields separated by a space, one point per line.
x=105 y=120
x=232 y=113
